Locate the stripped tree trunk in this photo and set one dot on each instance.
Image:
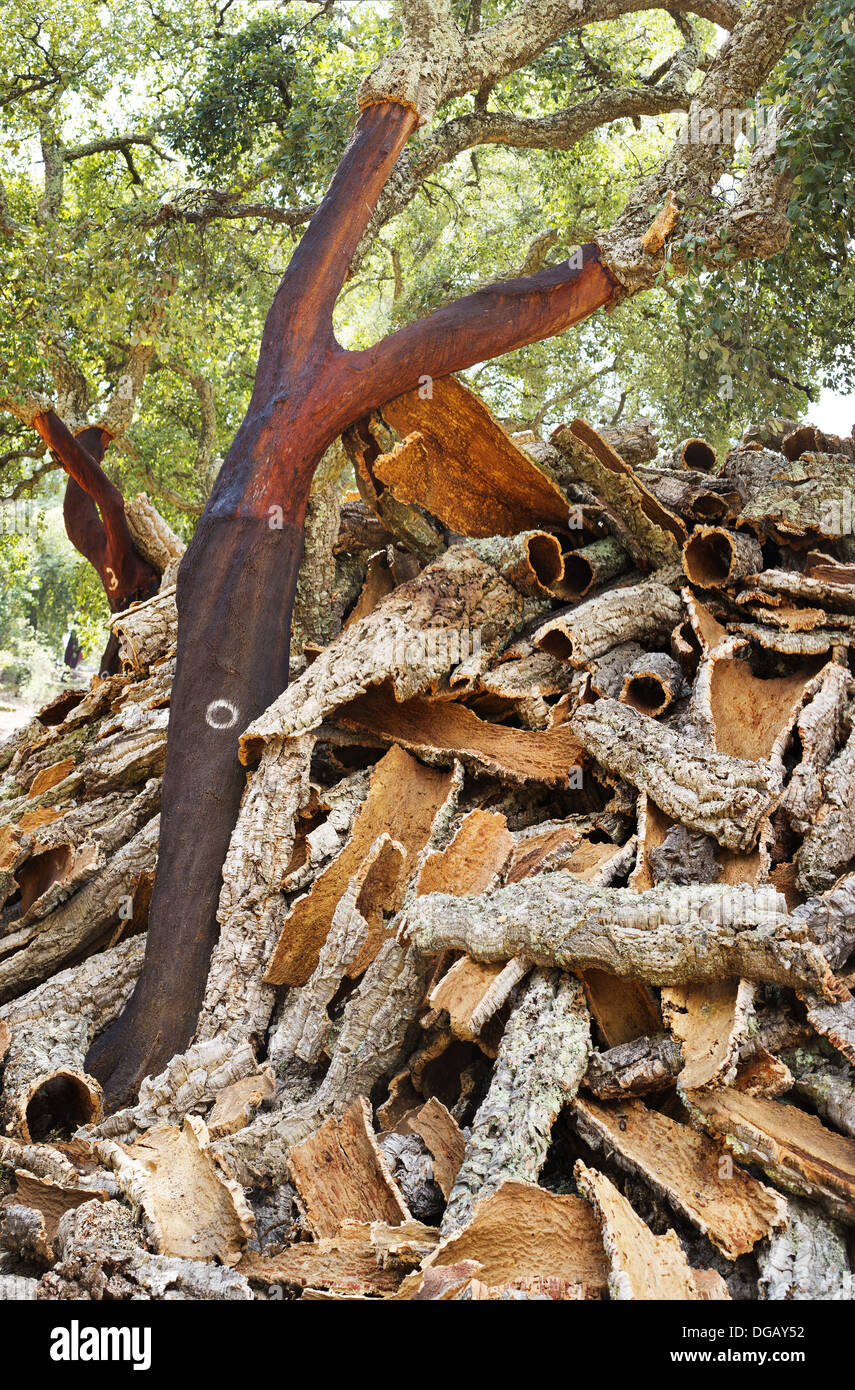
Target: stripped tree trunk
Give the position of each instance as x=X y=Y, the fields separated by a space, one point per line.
x=236 y=584
x=105 y=540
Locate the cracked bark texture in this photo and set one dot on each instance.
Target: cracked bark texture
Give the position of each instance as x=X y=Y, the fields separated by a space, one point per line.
x=663 y=935
x=829 y=844
x=102 y=1257
x=646 y=611
x=820 y=725
x=372 y=1034
x=542 y=1058
x=51 y=1030
x=189 y=1085
x=727 y=798
x=647 y=1064
x=649 y=530
x=251 y=909
x=147 y=631
x=154 y=538
x=794 y=1150
x=414 y=638
x=808 y=1260
x=80 y=921
x=827 y=1082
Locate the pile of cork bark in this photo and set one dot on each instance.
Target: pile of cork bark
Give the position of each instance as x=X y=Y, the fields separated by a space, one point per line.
x=536 y=924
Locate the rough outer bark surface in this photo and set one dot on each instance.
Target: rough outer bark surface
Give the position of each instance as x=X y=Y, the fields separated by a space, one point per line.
x=375 y=1025
x=808 y=495
x=542 y=1058
x=52 y=1028
x=714 y=557
x=189 y=1085
x=651 y=684
x=413 y=638
x=828 y=1082
x=147 y=631
x=808 y=1260
x=646 y=611
x=154 y=538
x=829 y=845
x=794 y=1149
x=829 y=919
x=15 y=1288
x=727 y=798
x=836 y=597
x=694 y=496
x=664 y=936
x=530 y=561
x=82 y=919
x=651 y=533
x=102 y=1258
x=833 y=1021
x=590 y=566
x=636 y=1068
x=237 y=1000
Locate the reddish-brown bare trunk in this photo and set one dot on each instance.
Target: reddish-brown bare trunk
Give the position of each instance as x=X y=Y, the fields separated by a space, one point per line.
x=95 y=521
x=236 y=583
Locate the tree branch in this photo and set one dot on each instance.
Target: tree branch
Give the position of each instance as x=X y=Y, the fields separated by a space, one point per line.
x=107 y=143
x=694 y=165
x=503 y=316
x=198 y=207
x=435 y=62
x=560 y=130
x=319 y=265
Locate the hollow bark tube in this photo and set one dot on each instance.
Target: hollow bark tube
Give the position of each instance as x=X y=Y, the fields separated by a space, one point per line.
x=652 y=684
x=45 y=1082
x=697 y=454
x=591 y=565
x=714 y=557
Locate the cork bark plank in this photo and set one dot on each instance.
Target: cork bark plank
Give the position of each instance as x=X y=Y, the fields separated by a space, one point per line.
x=342 y=1175
x=684 y=1167
x=461 y=465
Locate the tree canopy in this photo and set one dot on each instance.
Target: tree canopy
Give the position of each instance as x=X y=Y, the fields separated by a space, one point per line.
x=158 y=163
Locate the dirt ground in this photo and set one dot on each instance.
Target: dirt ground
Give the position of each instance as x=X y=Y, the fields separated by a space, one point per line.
x=13 y=714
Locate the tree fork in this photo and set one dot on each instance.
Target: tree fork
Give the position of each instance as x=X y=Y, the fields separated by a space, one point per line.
x=237 y=580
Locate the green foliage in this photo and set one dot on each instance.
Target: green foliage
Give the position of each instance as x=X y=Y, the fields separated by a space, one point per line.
x=817 y=85
x=47 y=590
x=276 y=89
x=258 y=99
